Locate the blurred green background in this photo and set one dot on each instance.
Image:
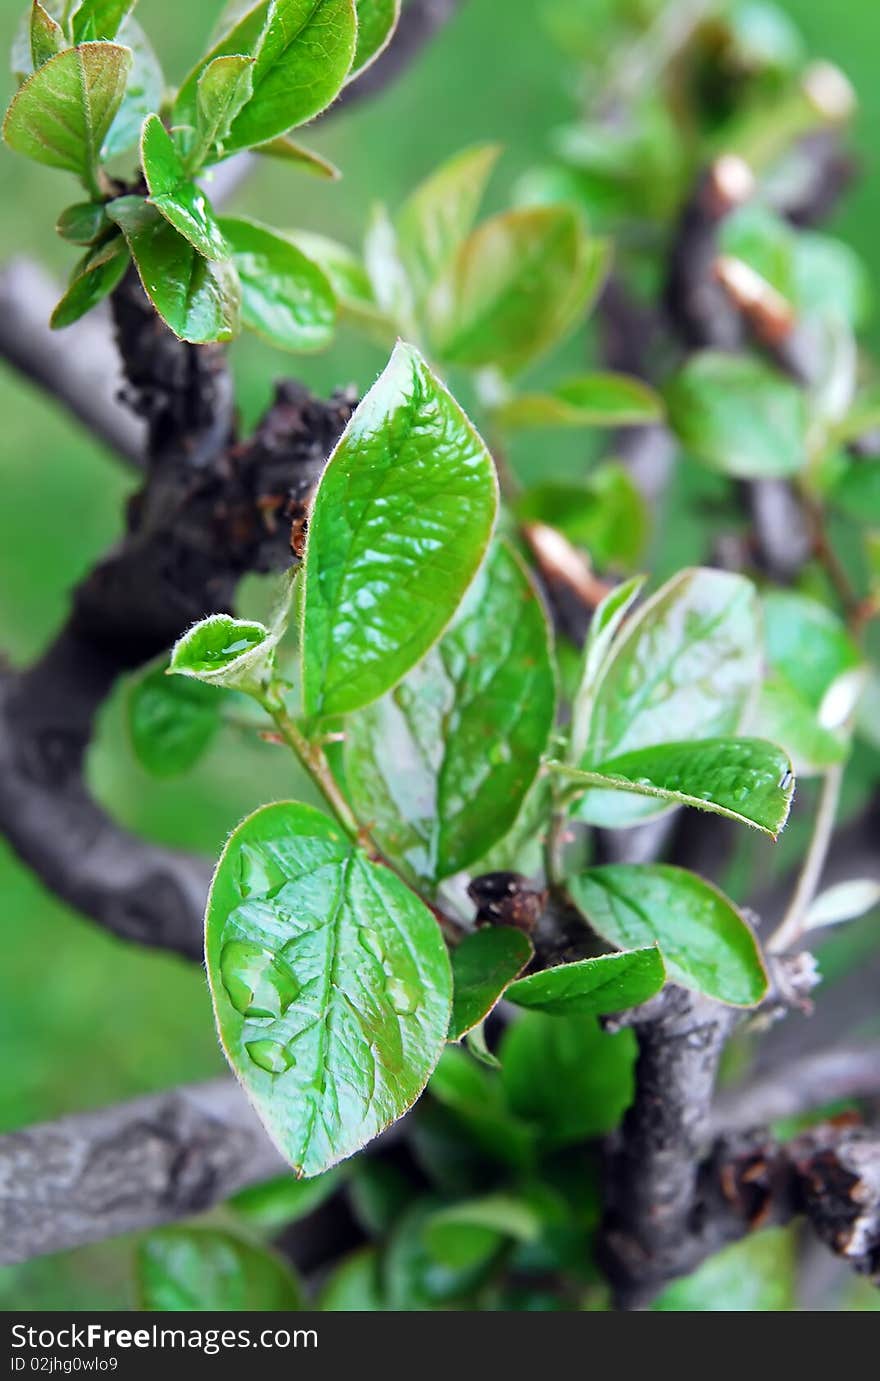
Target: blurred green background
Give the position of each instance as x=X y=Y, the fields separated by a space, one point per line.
x=84 y=1019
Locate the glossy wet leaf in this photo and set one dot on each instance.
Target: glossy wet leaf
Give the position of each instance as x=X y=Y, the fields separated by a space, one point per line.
x=566 y=1076
x=442 y=764
x=46 y=35
x=483 y=965
x=330 y=980
x=93 y=279
x=223 y=88
x=208 y=1269
x=61 y=114
x=592 y=400
x=441 y=212
x=198 y=299
x=285 y=296
x=182 y=203
x=143 y=91
x=756 y=1275
x=401 y=521
x=287 y=150
x=508 y=294
x=704 y=940
x=845 y=901
x=224 y=651
x=376 y=21
x=744 y=779
x=172 y=721
x=605 y=514
x=83 y=223
x=608 y=983
x=99 y=19
x=467 y=1234
x=690 y=656
x=739 y=416
x=354 y=1285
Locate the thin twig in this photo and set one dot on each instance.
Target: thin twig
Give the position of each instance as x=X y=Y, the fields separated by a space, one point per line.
x=791 y=928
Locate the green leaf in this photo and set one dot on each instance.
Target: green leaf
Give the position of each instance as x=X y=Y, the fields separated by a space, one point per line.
x=593 y=400
x=182 y=203
x=414 y=1279
x=608 y=983
x=690 y=656
x=744 y=779
x=46 y=35
x=286 y=297
x=330 y=980
x=442 y=765
x=172 y=720
x=100 y=19
x=276 y=1204
x=207 y=1269
x=508 y=294
x=62 y=113
x=467 y=1234
x=606 y=514
x=288 y=151
x=739 y=416
x=354 y=1286
x=95 y=276
x=197 y=298
x=483 y=965
x=376 y=22
x=389 y=281
x=224 y=651
x=756 y=1275
x=441 y=212
x=349 y=280
x=857 y=492
x=143 y=92
x=475 y=1098
x=601 y=633
x=241 y=29
x=566 y=1076
x=703 y=938
x=401 y=519
x=83 y=223
x=224 y=87
x=845 y=901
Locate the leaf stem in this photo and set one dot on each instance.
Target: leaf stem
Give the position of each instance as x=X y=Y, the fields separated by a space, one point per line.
x=314 y=760
x=791 y=927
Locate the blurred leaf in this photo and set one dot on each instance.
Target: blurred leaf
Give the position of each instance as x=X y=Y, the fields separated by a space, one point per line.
x=441 y=212
x=198 y=299
x=175 y=197
x=224 y=87
x=99 y=19
x=330 y=980
x=608 y=983
x=703 y=938
x=171 y=720
x=285 y=296
x=353 y=1286
x=379 y=1194
x=46 y=36
x=739 y=416
x=765 y=36
x=286 y=150
x=606 y=514
x=830 y=278
x=857 y=492
x=690 y=656
x=592 y=400
x=390 y=284
x=470 y=1233
x=413 y=1278
x=376 y=21
x=418 y=491
x=276 y=1204
x=755 y=1275
x=83 y=223
x=476 y=1098
x=187 y=1269
x=745 y=779
x=565 y=1076
x=509 y=292
x=143 y=91
x=844 y=902
x=62 y=113
x=93 y=279
x=483 y=964
x=442 y=765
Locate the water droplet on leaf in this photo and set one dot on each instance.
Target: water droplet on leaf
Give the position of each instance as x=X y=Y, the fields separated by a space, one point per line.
x=258 y=983
x=404 y=998
x=271 y=1056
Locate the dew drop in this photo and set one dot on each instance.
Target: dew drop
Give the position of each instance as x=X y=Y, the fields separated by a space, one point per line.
x=259 y=875
x=499 y=753
x=372 y=943
x=404 y=999
x=258 y=983
x=271 y=1056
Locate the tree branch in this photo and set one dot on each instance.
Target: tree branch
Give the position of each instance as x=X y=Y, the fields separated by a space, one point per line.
x=800 y=1087
x=136 y=1165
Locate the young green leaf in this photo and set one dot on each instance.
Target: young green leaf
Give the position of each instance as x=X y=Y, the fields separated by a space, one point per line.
x=483 y=965
x=204 y=1268
x=99 y=19
x=469 y=1233
x=566 y=1076
x=143 y=92
x=239 y=32
x=739 y=416
x=94 y=278
x=389 y=281
x=171 y=721
x=508 y=294
x=199 y=299
x=224 y=87
x=376 y=22
x=758 y=1274
x=224 y=651
x=690 y=656
x=285 y=296
x=83 y=223
x=47 y=35
x=442 y=765
x=593 y=400
x=744 y=779
x=603 y=629
x=441 y=212
x=608 y=983
x=401 y=520
x=704 y=940
x=330 y=980
x=62 y=113
x=273 y=1205
x=287 y=150
x=182 y=203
